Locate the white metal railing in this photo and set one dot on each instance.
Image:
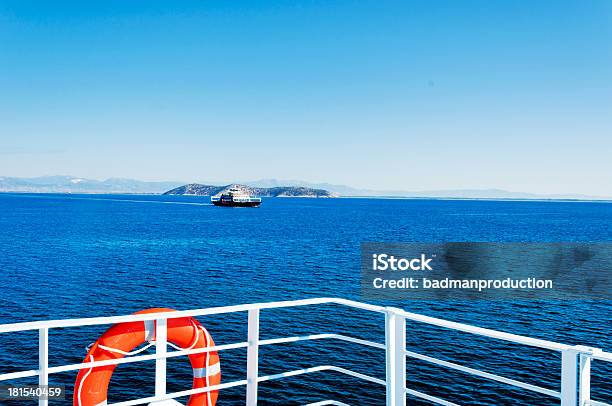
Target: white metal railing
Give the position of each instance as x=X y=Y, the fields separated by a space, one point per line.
x=575 y=360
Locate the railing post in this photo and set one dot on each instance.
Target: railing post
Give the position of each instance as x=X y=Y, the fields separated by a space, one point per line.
x=584 y=379
x=43 y=363
x=161 y=340
x=584 y=387
x=395 y=342
x=569 y=377
x=252 y=357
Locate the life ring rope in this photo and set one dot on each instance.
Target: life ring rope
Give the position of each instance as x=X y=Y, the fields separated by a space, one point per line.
x=117 y=351
x=152 y=343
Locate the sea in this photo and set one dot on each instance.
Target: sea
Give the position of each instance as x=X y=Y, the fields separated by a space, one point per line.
x=72 y=256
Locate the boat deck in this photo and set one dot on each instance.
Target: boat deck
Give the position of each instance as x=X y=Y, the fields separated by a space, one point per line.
x=575 y=360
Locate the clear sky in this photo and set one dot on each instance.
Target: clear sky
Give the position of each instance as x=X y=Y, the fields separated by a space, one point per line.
x=412 y=95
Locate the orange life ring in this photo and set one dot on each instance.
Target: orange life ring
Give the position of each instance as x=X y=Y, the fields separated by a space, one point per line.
x=121 y=339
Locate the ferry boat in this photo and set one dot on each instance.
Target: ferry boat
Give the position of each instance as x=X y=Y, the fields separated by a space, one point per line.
x=235 y=198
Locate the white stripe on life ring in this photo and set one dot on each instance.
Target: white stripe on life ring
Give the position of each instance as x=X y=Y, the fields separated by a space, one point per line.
x=212 y=370
x=103 y=403
x=149 y=327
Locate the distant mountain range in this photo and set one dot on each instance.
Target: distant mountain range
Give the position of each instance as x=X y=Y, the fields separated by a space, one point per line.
x=71 y=184
x=344 y=190
x=196 y=189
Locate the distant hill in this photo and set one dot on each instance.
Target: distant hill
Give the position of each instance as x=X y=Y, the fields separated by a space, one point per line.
x=195 y=189
x=72 y=184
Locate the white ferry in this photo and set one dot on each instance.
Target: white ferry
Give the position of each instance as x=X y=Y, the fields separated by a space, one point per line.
x=235 y=198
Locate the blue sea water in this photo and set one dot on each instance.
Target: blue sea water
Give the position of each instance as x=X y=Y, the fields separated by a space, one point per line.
x=72 y=256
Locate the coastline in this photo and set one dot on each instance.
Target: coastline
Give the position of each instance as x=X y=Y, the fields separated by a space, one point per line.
x=492 y=199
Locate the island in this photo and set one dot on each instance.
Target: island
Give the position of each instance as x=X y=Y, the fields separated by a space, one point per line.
x=196 y=189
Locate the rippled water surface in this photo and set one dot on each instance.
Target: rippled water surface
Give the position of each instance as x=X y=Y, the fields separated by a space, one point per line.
x=67 y=256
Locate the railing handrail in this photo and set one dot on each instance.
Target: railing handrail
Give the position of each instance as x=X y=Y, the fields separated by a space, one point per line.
x=486 y=332
x=92 y=321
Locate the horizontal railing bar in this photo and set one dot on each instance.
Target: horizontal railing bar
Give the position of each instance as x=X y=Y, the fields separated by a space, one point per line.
x=321 y=337
x=466 y=328
x=358 y=375
x=180 y=394
x=319 y=369
x=244 y=382
x=171 y=354
x=596 y=403
x=117 y=361
x=295 y=372
x=602 y=356
x=430 y=398
x=358 y=305
x=483 y=374
x=18 y=375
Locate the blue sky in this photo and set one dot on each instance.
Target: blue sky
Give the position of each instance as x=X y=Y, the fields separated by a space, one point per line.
x=413 y=95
